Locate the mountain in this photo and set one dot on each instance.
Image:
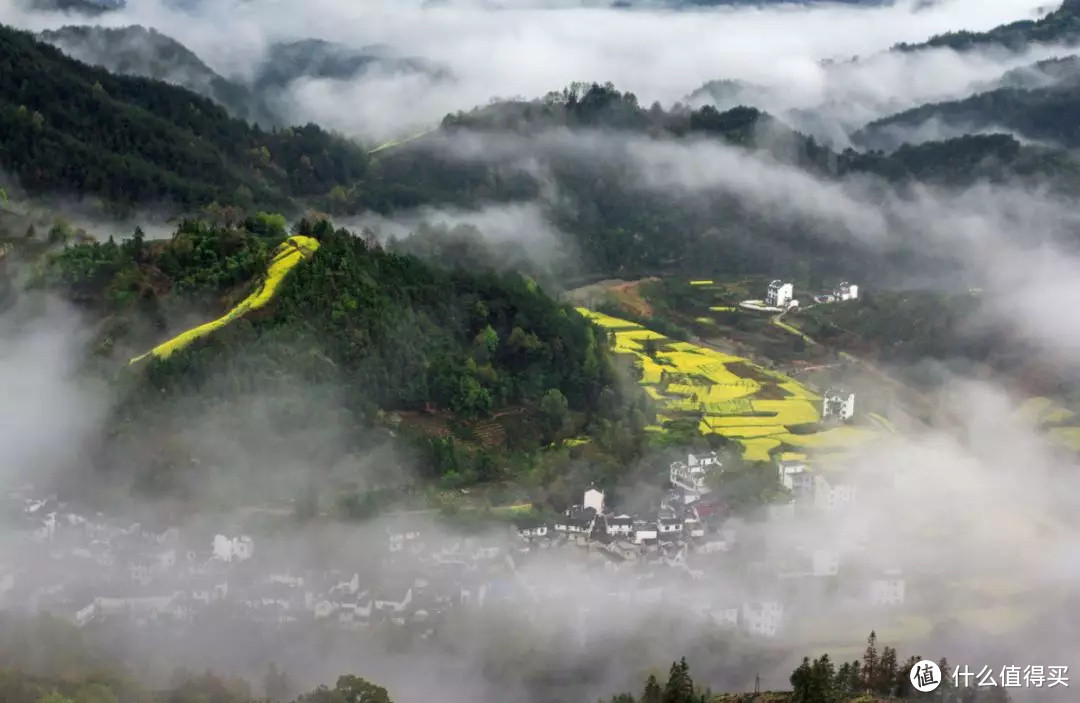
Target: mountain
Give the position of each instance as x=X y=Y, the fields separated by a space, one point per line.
x=726 y=94
x=1062 y=26
x=622 y=228
x=1043 y=74
x=352 y=331
x=1042 y=114
x=72 y=128
x=316 y=58
x=87 y=8
x=146 y=52
x=139 y=51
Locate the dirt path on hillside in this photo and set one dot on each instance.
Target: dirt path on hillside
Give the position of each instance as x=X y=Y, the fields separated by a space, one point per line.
x=627 y=293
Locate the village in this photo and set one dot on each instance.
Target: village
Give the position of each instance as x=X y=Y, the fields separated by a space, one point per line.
x=685 y=554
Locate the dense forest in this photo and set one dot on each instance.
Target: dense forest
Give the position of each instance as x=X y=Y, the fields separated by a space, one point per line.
x=131 y=142
x=483 y=365
x=1044 y=114
x=1060 y=26
x=69 y=128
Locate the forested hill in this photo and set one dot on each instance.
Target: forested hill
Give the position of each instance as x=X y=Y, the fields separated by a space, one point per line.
x=1060 y=26
x=66 y=127
x=1043 y=114
x=146 y=52
x=354 y=331
x=624 y=228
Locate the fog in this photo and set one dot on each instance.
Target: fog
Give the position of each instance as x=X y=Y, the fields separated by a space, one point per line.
x=981 y=499
x=531 y=48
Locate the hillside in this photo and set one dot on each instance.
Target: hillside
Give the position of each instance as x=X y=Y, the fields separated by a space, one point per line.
x=362 y=330
x=69 y=128
x=625 y=229
x=1060 y=26
x=287 y=62
x=146 y=52
x=1044 y=114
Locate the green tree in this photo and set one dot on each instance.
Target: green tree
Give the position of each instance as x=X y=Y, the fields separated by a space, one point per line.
x=54 y=697
x=95 y=693
x=653 y=693
x=870 y=664
x=887 y=672
x=554 y=411
x=277 y=685
x=680 y=686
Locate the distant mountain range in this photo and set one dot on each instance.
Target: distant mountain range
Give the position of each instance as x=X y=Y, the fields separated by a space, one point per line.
x=140 y=51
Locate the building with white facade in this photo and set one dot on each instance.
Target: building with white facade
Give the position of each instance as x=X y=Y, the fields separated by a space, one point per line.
x=793 y=473
x=233 y=549
x=690 y=475
x=837 y=404
x=594 y=499
x=779 y=294
x=832 y=495
x=846 y=291
x=620 y=525
x=763 y=618
x=888 y=590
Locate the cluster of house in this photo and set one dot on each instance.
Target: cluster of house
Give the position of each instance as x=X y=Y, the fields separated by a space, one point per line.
x=94 y=570
x=691 y=535
x=781 y=294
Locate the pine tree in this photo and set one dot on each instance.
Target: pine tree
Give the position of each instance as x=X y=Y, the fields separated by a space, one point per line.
x=680 y=687
x=823 y=675
x=886 y=674
x=802 y=682
x=904 y=689
x=652 y=693
x=855 y=684
x=870 y=663
x=842 y=684
x=947 y=681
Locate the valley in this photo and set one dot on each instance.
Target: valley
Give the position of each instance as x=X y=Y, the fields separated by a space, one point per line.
x=509 y=352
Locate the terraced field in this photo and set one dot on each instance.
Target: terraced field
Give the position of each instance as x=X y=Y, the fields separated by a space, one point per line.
x=1060 y=424
x=764 y=411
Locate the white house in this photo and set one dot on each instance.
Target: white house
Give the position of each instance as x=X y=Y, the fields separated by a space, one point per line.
x=540 y=530
x=779 y=294
x=690 y=476
x=888 y=590
x=763 y=618
x=846 y=291
x=577 y=520
x=693 y=527
x=620 y=525
x=670 y=526
x=234 y=549
x=793 y=472
x=838 y=404
x=644 y=531
x=725 y=617
x=831 y=495
x=594 y=499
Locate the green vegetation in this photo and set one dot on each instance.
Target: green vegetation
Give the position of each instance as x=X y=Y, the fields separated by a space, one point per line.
x=905 y=329
x=877 y=676
x=1061 y=26
x=67 y=127
x=1040 y=114
x=483 y=367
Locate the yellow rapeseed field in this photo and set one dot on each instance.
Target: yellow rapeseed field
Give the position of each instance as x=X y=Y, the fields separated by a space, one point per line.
x=289 y=254
x=733 y=396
